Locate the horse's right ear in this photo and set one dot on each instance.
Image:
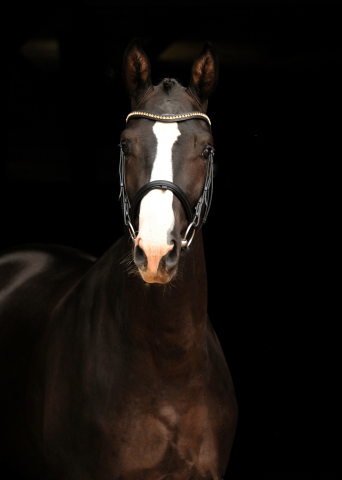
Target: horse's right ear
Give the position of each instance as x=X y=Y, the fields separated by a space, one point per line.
x=136 y=70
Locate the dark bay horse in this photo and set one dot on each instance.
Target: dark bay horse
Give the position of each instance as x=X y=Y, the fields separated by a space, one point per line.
x=110 y=368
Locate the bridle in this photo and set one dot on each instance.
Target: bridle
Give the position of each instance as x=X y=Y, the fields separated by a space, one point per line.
x=193 y=214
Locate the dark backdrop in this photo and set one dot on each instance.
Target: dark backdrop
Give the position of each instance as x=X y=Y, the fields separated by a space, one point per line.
x=270 y=234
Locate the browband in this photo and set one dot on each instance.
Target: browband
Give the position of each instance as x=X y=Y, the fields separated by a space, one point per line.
x=168 y=117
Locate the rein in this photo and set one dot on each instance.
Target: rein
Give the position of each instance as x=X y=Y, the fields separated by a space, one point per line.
x=193 y=214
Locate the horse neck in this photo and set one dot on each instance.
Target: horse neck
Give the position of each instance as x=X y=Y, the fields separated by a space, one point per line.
x=172 y=316
x=112 y=309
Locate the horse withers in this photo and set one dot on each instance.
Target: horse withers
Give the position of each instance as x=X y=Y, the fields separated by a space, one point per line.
x=110 y=368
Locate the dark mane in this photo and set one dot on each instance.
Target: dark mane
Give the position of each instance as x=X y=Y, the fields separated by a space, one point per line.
x=168 y=83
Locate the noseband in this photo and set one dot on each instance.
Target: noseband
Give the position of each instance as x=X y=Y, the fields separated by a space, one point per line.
x=193 y=214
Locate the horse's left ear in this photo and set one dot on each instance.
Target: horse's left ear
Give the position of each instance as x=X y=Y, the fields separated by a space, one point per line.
x=204 y=74
x=136 y=70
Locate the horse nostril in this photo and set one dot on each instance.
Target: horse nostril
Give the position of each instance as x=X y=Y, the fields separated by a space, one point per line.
x=140 y=258
x=171 y=258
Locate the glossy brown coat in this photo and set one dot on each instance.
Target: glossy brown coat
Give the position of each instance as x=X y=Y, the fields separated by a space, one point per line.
x=106 y=377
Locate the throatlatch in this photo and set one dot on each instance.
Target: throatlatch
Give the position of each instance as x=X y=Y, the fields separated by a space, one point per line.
x=193 y=213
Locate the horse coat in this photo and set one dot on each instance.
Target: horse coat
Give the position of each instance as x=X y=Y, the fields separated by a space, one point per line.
x=110 y=368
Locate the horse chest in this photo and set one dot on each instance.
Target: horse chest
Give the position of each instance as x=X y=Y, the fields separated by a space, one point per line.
x=170 y=438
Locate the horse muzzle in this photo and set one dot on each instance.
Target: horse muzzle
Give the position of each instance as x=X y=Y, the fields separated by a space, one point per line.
x=157 y=263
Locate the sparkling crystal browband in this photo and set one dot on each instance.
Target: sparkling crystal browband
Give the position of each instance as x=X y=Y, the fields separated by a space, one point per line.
x=168 y=118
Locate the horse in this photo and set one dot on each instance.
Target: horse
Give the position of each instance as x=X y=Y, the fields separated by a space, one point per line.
x=110 y=367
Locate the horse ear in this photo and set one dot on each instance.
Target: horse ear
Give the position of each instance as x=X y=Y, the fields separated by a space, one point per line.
x=136 y=70
x=204 y=74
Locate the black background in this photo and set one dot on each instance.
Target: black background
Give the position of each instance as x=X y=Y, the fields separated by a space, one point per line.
x=270 y=236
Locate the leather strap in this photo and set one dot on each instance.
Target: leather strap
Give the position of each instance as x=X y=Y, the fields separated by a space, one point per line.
x=162 y=185
x=168 y=117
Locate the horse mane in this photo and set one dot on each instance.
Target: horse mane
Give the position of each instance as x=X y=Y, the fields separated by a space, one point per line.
x=168 y=83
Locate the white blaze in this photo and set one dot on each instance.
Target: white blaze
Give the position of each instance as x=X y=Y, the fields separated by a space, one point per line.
x=156 y=217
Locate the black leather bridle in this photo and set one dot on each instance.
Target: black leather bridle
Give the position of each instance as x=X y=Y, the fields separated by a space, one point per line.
x=193 y=214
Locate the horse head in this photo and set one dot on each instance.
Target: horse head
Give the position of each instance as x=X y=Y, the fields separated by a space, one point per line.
x=166 y=162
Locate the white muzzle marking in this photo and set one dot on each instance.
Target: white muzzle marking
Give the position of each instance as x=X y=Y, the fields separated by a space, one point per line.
x=156 y=217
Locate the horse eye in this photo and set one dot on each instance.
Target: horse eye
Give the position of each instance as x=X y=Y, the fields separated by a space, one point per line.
x=125 y=148
x=207 y=151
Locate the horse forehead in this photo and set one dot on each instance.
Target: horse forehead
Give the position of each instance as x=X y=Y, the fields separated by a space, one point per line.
x=166 y=133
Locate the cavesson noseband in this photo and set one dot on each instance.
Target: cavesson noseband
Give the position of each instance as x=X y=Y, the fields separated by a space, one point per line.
x=193 y=214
